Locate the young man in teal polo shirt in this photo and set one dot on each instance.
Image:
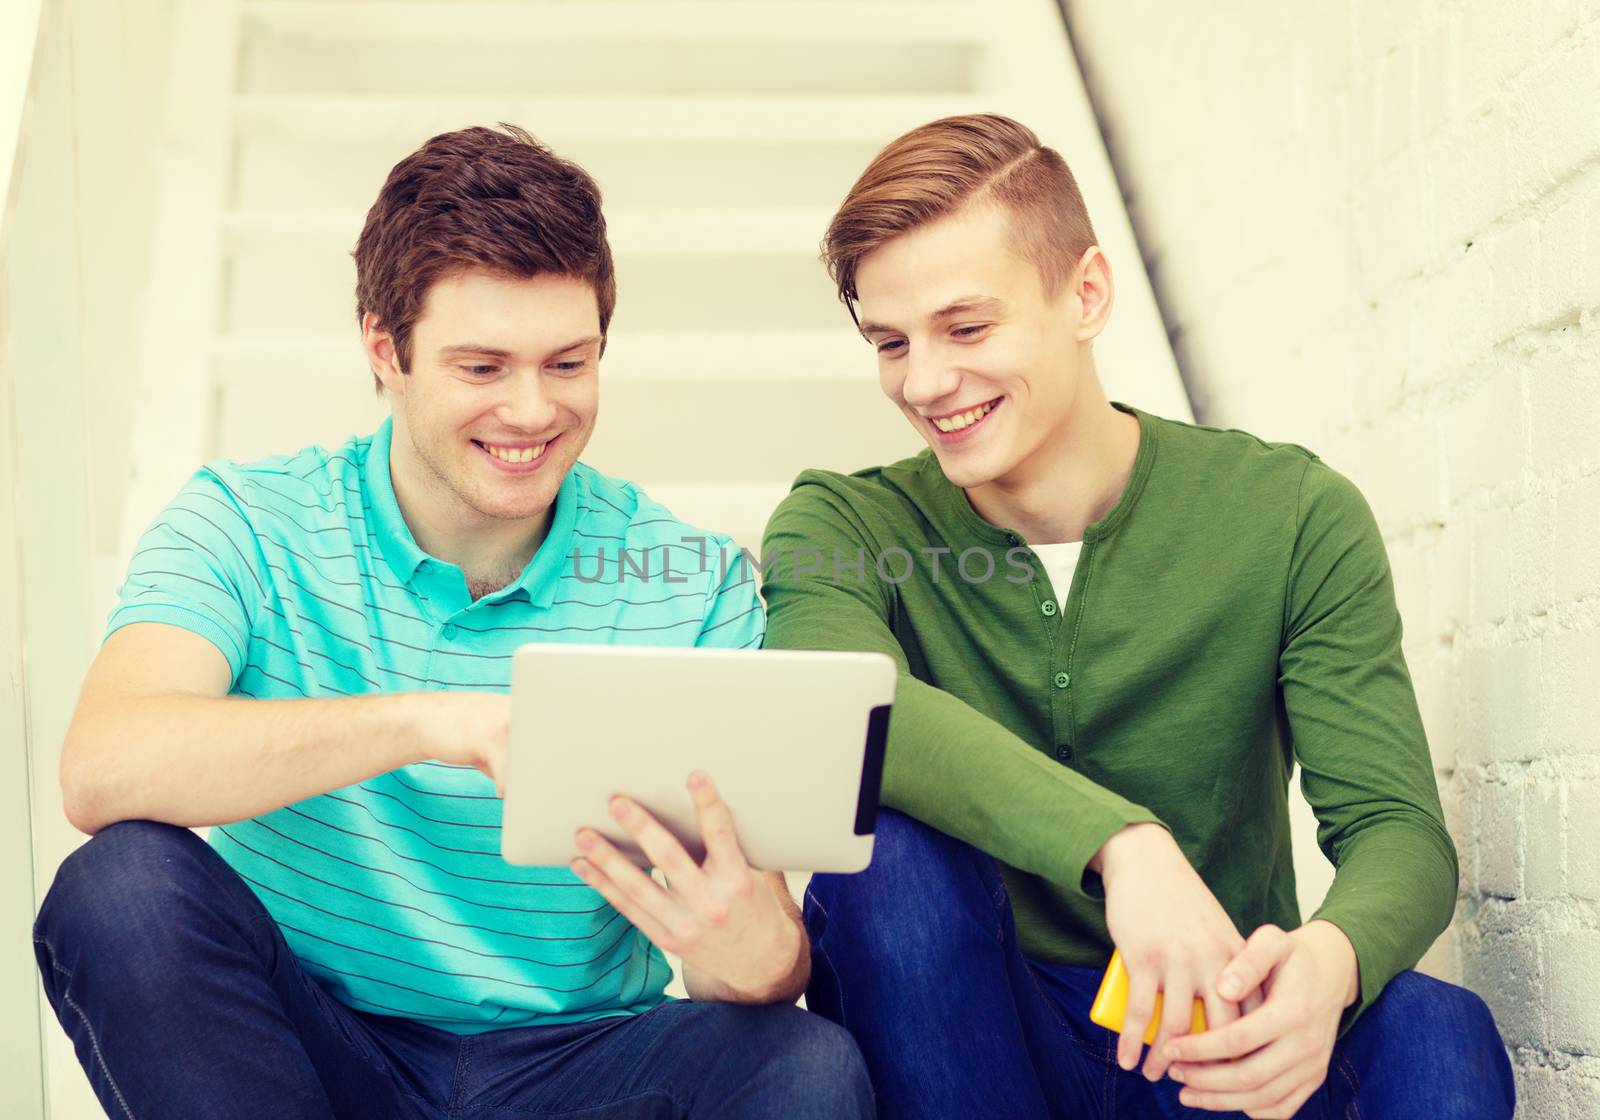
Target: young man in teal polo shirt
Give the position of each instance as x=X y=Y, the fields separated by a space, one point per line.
x=1117 y=635
x=311 y=654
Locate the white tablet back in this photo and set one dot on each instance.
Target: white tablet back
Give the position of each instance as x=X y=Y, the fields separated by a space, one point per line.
x=793 y=740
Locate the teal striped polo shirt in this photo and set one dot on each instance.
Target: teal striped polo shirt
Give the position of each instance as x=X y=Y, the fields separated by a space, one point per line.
x=392 y=892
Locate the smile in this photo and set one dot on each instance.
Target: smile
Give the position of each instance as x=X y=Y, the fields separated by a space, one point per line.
x=515 y=458
x=960 y=425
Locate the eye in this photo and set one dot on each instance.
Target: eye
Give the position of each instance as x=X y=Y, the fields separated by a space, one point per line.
x=971 y=331
x=575 y=366
x=891 y=346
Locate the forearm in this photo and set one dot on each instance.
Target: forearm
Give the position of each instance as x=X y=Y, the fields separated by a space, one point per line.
x=1393 y=894
x=193 y=760
x=957 y=770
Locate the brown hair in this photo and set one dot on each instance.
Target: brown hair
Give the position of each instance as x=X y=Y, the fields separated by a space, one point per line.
x=478 y=198
x=941 y=167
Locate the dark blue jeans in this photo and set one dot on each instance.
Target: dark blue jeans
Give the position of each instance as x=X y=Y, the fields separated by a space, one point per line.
x=917 y=957
x=183 y=1001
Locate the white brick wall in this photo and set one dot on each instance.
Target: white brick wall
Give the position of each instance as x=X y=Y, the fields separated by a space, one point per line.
x=1374 y=228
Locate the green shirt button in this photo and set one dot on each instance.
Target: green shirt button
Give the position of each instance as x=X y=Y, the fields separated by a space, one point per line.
x=449 y=630
x=1064 y=752
x=1048 y=608
x=1062 y=680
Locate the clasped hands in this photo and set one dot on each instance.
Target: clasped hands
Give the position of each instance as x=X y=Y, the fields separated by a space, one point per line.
x=1273 y=1002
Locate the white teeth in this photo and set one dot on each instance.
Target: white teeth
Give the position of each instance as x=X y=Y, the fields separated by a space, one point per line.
x=515 y=454
x=963 y=419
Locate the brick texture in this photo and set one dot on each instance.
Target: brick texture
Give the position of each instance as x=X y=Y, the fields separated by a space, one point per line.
x=1374 y=228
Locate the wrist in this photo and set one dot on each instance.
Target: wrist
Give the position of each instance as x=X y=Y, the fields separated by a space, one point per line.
x=414 y=735
x=1334 y=949
x=789 y=967
x=1130 y=846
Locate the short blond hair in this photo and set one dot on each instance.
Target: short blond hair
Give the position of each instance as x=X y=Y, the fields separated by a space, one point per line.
x=937 y=169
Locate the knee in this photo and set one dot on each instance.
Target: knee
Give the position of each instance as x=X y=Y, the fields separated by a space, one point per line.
x=1445 y=1011
x=913 y=868
x=820 y=1060
x=922 y=900
x=117 y=890
x=1468 y=1068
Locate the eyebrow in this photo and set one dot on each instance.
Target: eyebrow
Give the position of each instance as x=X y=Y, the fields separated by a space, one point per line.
x=463 y=348
x=962 y=306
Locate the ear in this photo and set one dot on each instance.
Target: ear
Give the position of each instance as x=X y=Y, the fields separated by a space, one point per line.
x=381 y=355
x=1095 y=292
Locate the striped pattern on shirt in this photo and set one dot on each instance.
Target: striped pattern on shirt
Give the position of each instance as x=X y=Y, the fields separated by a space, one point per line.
x=392 y=892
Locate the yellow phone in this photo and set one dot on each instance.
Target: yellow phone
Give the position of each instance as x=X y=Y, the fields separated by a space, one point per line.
x=1111 y=1003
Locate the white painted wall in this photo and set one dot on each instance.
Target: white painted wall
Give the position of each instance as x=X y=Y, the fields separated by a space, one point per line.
x=1374 y=228
x=73 y=251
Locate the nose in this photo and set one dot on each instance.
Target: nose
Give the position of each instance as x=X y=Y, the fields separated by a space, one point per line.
x=928 y=379
x=527 y=405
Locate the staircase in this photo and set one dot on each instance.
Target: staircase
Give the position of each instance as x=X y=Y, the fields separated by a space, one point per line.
x=722 y=134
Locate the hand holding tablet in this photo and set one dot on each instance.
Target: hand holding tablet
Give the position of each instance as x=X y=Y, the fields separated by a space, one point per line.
x=720 y=915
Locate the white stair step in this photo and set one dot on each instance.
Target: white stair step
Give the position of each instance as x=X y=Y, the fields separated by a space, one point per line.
x=284 y=171
x=632 y=357
x=661 y=21
x=757 y=231
x=297 y=287
x=701 y=432
x=567 y=49
x=753 y=119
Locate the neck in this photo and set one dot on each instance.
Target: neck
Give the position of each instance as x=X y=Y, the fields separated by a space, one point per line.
x=490 y=551
x=1075 y=477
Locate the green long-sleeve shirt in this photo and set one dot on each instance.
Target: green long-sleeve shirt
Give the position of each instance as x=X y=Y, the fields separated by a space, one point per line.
x=1231 y=615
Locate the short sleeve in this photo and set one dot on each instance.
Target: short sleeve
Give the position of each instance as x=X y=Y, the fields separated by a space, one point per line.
x=198 y=567
x=735 y=618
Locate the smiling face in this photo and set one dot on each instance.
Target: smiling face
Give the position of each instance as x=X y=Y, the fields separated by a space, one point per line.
x=982 y=361
x=501 y=397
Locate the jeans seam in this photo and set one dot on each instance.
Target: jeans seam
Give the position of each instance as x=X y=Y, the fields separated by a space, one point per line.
x=94 y=1043
x=588 y=1110
x=1347 y=1071
x=458 y=1096
x=819 y=950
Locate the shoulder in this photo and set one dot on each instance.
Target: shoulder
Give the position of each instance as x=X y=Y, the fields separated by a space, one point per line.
x=1231 y=481
x=1229 y=452
x=614 y=513
x=873 y=495
x=312 y=487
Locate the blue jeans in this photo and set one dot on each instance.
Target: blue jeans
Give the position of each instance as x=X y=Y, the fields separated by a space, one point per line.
x=917 y=957
x=183 y=1000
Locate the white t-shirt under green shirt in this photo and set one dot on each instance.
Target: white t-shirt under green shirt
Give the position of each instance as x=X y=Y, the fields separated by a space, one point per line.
x=1059 y=560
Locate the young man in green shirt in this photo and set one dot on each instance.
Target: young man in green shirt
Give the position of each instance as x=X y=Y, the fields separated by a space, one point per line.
x=1100 y=757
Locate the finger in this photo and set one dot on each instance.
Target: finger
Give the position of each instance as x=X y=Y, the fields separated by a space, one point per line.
x=645 y=922
x=1219 y=1012
x=1241 y=1037
x=1243 y=1075
x=1265 y=949
x=1141 y=1006
x=1177 y=1011
x=1266 y=1098
x=1289 y=1107
x=716 y=823
x=644 y=894
x=659 y=846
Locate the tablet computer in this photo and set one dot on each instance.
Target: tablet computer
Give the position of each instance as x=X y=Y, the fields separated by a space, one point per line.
x=793 y=740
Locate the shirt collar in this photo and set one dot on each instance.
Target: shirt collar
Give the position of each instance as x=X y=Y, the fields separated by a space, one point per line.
x=399 y=547
x=1144 y=460
x=538 y=579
